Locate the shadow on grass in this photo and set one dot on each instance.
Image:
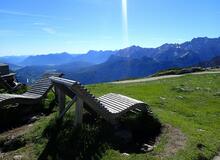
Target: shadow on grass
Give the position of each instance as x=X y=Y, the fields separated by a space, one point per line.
x=95 y=136
x=15 y=115
x=50 y=107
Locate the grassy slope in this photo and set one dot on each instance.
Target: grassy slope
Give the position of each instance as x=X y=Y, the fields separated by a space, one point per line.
x=190 y=103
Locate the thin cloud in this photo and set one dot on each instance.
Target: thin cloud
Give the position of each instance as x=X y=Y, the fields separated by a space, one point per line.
x=25 y=14
x=39 y=24
x=49 y=30
x=15 y=13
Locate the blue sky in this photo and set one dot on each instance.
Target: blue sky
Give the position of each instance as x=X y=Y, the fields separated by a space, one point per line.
x=76 y=26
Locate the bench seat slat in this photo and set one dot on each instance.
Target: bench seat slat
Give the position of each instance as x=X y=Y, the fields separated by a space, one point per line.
x=116 y=101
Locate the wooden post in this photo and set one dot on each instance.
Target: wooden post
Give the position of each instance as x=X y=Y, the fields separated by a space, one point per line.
x=78 y=112
x=61 y=99
x=56 y=93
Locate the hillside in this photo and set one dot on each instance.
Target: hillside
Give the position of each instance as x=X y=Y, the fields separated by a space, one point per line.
x=214 y=62
x=187 y=107
x=118 y=68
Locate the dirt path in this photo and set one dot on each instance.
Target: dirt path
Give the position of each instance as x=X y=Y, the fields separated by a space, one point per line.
x=164 y=77
x=13 y=133
x=176 y=141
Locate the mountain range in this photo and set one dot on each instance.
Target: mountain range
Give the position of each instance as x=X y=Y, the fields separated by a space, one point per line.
x=131 y=62
x=214 y=62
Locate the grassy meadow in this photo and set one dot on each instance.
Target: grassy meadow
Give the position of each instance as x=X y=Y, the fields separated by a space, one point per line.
x=189 y=104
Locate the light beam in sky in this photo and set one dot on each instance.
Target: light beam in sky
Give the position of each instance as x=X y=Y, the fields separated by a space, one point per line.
x=125 y=22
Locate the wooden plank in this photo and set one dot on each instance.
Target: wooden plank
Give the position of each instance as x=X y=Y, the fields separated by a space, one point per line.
x=78 y=112
x=61 y=100
x=67 y=107
x=36 y=92
x=127 y=98
x=39 y=90
x=2 y=98
x=66 y=90
x=111 y=108
x=62 y=81
x=31 y=94
x=112 y=105
x=116 y=102
x=112 y=96
x=116 y=98
x=43 y=86
x=56 y=93
x=18 y=99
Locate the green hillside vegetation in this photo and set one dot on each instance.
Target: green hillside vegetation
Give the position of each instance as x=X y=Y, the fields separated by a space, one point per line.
x=176 y=71
x=188 y=108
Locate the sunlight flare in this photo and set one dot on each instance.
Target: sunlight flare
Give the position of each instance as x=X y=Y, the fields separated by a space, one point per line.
x=125 y=22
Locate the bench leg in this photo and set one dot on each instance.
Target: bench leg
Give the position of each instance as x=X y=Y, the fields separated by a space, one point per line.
x=78 y=112
x=61 y=99
x=56 y=94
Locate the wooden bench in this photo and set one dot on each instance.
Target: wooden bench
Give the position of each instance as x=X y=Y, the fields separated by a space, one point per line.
x=33 y=96
x=8 y=86
x=110 y=106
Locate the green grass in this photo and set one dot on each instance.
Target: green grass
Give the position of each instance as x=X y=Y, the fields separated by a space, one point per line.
x=193 y=107
x=190 y=103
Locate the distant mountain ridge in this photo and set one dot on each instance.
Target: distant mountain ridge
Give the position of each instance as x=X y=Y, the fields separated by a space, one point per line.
x=202 y=48
x=135 y=61
x=50 y=59
x=93 y=57
x=12 y=59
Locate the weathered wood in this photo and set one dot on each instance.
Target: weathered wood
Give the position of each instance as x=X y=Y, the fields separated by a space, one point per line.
x=78 y=112
x=118 y=104
x=120 y=98
x=67 y=107
x=32 y=96
x=61 y=100
x=66 y=90
x=109 y=106
x=56 y=93
x=86 y=96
